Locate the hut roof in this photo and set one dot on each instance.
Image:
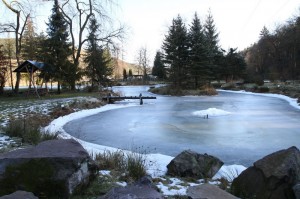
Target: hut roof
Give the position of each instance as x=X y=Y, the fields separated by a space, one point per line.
x=30 y=66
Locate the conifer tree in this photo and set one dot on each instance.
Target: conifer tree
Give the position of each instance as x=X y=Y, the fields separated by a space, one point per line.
x=198 y=54
x=175 y=48
x=130 y=73
x=98 y=59
x=59 y=47
x=213 y=49
x=124 y=74
x=158 y=66
x=30 y=43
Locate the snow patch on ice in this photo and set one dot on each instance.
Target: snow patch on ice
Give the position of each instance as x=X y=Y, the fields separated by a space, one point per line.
x=211 y=112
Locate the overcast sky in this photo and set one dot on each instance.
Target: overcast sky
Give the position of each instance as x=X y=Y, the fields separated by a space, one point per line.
x=238 y=22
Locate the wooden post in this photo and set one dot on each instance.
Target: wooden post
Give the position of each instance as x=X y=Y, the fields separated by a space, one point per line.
x=141 y=99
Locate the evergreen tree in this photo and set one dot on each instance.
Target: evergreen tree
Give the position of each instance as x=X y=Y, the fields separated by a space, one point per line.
x=158 y=66
x=124 y=74
x=211 y=40
x=175 y=48
x=130 y=73
x=59 y=47
x=98 y=59
x=198 y=54
x=235 y=65
x=30 y=43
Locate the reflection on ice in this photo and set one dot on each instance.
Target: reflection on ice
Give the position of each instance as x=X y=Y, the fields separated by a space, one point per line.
x=211 y=112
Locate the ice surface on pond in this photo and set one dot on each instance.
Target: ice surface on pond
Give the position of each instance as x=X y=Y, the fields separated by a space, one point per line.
x=211 y=112
x=253 y=125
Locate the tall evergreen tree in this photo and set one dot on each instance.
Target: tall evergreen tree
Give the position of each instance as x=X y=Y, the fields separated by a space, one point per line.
x=98 y=59
x=211 y=37
x=198 y=54
x=59 y=47
x=235 y=65
x=124 y=74
x=30 y=43
x=175 y=48
x=158 y=66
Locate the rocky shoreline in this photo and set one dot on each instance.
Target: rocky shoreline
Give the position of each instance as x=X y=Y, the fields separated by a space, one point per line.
x=62 y=167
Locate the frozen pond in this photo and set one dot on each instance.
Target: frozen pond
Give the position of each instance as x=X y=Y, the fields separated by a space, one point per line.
x=243 y=128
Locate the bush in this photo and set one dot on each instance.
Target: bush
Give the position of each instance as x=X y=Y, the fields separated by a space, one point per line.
x=263 y=89
x=133 y=164
x=111 y=160
x=136 y=165
x=28 y=128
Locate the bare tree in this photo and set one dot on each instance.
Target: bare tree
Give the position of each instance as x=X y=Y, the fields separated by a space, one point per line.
x=77 y=14
x=143 y=62
x=22 y=15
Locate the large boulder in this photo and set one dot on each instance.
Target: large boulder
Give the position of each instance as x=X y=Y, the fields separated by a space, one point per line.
x=191 y=164
x=274 y=177
x=143 y=189
x=208 y=191
x=20 y=195
x=53 y=168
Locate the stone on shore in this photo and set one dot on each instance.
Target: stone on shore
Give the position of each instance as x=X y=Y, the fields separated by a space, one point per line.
x=191 y=164
x=275 y=177
x=53 y=168
x=208 y=191
x=20 y=195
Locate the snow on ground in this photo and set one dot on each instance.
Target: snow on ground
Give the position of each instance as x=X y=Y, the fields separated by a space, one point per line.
x=156 y=163
x=211 y=112
x=292 y=101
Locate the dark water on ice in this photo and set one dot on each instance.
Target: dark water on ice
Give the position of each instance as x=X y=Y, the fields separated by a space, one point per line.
x=257 y=126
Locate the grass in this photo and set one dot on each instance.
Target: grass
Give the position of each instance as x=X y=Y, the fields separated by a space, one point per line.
x=28 y=128
x=130 y=165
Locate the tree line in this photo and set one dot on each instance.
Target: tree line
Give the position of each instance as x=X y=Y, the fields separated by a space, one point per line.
x=191 y=57
x=276 y=55
x=61 y=48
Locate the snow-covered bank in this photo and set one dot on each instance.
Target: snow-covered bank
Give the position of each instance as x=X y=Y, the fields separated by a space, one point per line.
x=157 y=163
x=292 y=101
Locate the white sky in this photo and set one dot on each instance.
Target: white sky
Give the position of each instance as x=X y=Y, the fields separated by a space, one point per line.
x=238 y=22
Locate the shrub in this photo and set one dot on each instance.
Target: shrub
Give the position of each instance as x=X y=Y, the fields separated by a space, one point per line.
x=264 y=89
x=111 y=160
x=133 y=164
x=136 y=165
x=28 y=128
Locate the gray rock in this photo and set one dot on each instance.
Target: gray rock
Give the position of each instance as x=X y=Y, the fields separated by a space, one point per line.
x=20 y=195
x=142 y=189
x=272 y=177
x=208 y=191
x=54 y=168
x=296 y=190
x=194 y=165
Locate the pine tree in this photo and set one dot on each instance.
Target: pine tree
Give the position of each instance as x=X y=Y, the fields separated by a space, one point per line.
x=175 y=48
x=59 y=47
x=98 y=59
x=198 y=54
x=30 y=43
x=211 y=37
x=124 y=74
x=158 y=66
x=130 y=73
